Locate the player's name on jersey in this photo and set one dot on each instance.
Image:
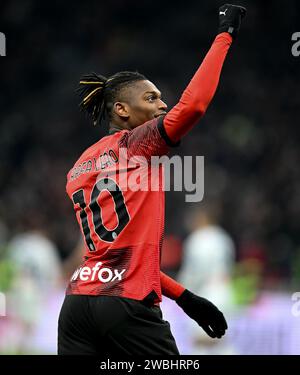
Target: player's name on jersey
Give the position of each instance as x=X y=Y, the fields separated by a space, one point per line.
x=105 y=160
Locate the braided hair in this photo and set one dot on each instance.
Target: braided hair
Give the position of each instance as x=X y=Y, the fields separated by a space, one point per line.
x=98 y=93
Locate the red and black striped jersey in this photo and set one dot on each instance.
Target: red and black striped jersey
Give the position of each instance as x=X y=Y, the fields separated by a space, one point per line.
x=118 y=198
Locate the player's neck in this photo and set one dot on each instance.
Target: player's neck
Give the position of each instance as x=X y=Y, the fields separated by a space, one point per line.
x=113 y=128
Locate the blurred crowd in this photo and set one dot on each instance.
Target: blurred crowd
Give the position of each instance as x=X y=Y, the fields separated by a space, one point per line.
x=249 y=138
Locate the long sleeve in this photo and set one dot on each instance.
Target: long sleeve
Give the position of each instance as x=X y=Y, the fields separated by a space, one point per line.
x=169 y=287
x=199 y=92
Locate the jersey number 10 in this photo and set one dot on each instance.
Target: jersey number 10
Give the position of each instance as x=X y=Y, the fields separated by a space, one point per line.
x=120 y=209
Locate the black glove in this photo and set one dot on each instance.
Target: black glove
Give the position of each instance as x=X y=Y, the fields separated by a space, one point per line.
x=205 y=313
x=230 y=17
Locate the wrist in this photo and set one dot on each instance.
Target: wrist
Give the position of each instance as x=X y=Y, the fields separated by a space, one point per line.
x=170 y=288
x=228 y=30
x=183 y=297
x=224 y=36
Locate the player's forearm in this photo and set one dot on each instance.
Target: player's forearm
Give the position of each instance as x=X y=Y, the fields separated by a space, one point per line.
x=200 y=91
x=169 y=287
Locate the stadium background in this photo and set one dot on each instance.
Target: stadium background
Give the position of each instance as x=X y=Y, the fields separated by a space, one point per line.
x=249 y=137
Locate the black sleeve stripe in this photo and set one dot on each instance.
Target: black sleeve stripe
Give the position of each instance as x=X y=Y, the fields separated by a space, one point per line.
x=164 y=135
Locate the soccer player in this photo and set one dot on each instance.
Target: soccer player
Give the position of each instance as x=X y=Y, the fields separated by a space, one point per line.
x=112 y=301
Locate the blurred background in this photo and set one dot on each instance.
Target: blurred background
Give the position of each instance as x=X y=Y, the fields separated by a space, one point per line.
x=239 y=247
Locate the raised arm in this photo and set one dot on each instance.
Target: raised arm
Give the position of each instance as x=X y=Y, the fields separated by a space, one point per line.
x=201 y=89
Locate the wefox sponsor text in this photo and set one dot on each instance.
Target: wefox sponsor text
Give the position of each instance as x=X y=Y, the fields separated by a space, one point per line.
x=105 y=274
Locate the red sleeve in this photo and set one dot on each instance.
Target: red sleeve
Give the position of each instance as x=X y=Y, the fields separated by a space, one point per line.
x=200 y=91
x=169 y=287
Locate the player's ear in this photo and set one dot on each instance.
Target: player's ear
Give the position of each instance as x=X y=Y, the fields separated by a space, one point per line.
x=121 y=109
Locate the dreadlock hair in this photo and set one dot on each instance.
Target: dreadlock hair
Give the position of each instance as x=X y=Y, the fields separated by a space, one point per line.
x=99 y=93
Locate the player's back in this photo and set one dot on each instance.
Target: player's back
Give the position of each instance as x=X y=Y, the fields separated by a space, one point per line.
x=110 y=186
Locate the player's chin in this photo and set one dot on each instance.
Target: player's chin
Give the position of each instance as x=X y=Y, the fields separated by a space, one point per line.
x=157 y=115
